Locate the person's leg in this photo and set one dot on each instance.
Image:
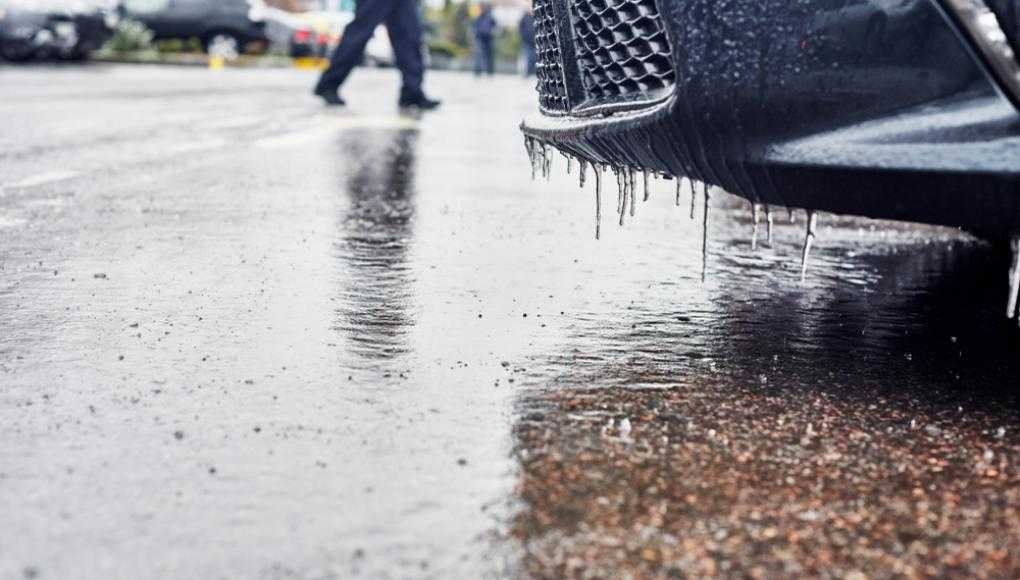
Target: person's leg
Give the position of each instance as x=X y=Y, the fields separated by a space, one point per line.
x=479 y=54
x=368 y=15
x=404 y=28
x=490 y=54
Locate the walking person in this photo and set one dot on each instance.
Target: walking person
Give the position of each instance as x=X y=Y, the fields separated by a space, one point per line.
x=485 y=32
x=526 y=28
x=405 y=31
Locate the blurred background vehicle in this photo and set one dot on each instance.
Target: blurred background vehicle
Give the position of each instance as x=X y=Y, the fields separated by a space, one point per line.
x=64 y=29
x=224 y=27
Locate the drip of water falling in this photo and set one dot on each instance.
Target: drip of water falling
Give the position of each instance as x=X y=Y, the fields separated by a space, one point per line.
x=647 y=190
x=756 y=218
x=1014 y=278
x=809 y=241
x=704 y=239
x=768 y=224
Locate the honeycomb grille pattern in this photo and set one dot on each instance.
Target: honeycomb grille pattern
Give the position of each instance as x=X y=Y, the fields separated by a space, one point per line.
x=622 y=49
x=549 y=66
x=552 y=91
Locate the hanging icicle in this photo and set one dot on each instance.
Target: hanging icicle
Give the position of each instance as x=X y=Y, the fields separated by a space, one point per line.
x=1014 y=278
x=598 y=202
x=756 y=218
x=694 y=198
x=704 y=239
x=809 y=241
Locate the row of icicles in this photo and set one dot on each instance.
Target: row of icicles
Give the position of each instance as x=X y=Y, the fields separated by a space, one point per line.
x=540 y=154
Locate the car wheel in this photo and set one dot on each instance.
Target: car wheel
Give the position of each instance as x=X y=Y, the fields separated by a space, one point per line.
x=16 y=51
x=223 y=44
x=77 y=54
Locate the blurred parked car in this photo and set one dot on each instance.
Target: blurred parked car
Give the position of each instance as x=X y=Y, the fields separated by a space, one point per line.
x=65 y=29
x=224 y=27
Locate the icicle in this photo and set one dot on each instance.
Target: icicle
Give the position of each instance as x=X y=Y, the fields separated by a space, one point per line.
x=679 y=184
x=570 y=163
x=809 y=240
x=582 y=171
x=694 y=198
x=619 y=191
x=598 y=203
x=529 y=144
x=790 y=214
x=768 y=224
x=624 y=192
x=540 y=157
x=547 y=167
x=1014 y=278
x=704 y=239
x=756 y=216
x=647 y=191
x=633 y=192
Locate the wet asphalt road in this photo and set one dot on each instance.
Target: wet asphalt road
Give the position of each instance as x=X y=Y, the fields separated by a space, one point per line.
x=245 y=337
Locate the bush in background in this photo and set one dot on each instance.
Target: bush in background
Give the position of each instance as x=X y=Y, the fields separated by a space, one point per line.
x=129 y=37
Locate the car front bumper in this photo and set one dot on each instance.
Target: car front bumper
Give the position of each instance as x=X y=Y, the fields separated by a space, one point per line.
x=863 y=107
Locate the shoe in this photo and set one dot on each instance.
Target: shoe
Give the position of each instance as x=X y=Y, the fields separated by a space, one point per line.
x=331 y=96
x=417 y=100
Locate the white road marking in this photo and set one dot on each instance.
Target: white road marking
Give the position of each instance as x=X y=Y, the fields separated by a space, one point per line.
x=44 y=178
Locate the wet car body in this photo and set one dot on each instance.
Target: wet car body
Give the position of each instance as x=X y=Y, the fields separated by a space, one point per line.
x=66 y=29
x=881 y=108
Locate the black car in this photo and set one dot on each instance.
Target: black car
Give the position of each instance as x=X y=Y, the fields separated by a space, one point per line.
x=223 y=26
x=897 y=109
x=66 y=29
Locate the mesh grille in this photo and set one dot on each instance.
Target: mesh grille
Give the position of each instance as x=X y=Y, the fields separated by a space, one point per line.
x=552 y=93
x=622 y=49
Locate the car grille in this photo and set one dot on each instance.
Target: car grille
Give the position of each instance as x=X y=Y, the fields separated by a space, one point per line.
x=552 y=91
x=622 y=49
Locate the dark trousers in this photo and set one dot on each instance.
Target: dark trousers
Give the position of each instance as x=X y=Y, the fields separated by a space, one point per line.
x=404 y=28
x=484 y=56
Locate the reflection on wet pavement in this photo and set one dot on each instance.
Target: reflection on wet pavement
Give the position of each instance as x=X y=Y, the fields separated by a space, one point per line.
x=883 y=445
x=376 y=229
